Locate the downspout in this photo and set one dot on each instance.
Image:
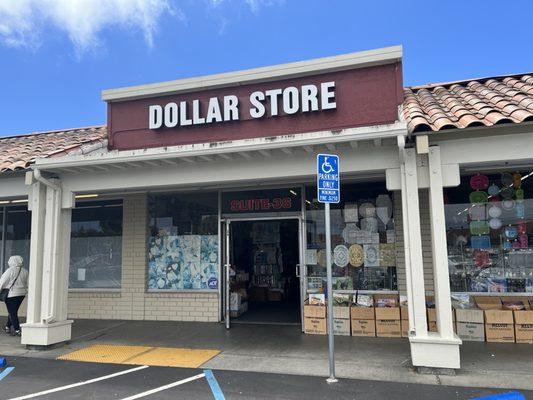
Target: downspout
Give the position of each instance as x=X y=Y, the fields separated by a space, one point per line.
x=52 y=317
x=407 y=250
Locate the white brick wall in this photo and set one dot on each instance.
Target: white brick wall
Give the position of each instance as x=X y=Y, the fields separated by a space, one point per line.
x=426 y=241
x=132 y=301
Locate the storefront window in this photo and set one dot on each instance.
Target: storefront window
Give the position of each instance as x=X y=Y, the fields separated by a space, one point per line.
x=96 y=245
x=362 y=239
x=489 y=221
x=183 y=242
x=17 y=233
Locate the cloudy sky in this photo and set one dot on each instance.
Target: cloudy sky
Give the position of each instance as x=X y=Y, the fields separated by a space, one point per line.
x=57 y=55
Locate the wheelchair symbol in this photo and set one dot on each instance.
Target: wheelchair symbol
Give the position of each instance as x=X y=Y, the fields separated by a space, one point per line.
x=326 y=166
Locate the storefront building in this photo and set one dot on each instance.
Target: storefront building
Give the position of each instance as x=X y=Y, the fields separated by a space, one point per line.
x=202 y=187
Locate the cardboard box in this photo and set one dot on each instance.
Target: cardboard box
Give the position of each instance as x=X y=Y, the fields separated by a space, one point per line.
x=274 y=295
x=315 y=326
x=388 y=313
x=362 y=313
x=469 y=331
x=470 y=324
x=314 y=311
x=341 y=312
x=432 y=319
x=341 y=326
x=524 y=326
x=499 y=326
x=488 y=302
x=389 y=327
x=405 y=327
x=404 y=313
x=364 y=327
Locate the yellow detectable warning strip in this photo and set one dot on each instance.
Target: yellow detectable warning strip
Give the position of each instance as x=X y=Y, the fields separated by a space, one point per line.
x=142 y=355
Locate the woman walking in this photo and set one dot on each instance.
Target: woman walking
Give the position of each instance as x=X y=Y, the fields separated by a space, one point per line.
x=15 y=280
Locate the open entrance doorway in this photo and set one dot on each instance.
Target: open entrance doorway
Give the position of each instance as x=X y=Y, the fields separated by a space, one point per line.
x=264 y=281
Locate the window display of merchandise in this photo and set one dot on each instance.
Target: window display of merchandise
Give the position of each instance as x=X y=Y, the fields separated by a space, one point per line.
x=183 y=242
x=362 y=235
x=489 y=222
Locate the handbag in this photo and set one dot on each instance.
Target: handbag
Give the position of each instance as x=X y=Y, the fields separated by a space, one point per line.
x=5 y=292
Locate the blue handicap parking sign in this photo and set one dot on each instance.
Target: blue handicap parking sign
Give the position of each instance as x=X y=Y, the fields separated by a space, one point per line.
x=327 y=178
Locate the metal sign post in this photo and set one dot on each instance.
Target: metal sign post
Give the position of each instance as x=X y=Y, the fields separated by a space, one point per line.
x=328 y=191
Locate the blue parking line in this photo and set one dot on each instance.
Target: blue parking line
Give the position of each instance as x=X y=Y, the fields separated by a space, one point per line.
x=6 y=372
x=213 y=384
x=503 y=396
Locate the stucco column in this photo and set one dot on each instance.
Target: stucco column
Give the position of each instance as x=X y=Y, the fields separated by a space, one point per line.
x=47 y=322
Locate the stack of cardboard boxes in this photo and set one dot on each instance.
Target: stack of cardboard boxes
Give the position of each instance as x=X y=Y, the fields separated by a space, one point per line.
x=524 y=323
x=315 y=322
x=388 y=321
x=363 y=317
x=470 y=324
x=499 y=323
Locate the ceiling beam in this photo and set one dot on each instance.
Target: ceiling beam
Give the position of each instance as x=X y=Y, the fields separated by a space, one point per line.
x=169 y=161
x=377 y=142
x=354 y=144
x=225 y=156
x=152 y=163
x=205 y=158
x=245 y=155
x=266 y=153
x=286 y=150
x=330 y=146
x=190 y=160
x=308 y=149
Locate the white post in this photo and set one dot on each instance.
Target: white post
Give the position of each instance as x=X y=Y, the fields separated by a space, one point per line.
x=47 y=322
x=411 y=217
x=438 y=242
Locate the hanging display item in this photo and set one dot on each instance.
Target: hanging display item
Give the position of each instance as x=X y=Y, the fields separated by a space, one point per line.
x=477 y=212
x=517 y=180
x=479 y=182
x=310 y=256
x=520 y=210
x=351 y=212
x=478 y=197
x=508 y=205
x=495 y=223
x=369 y=224
x=493 y=190
x=507 y=179
x=495 y=211
x=519 y=194
x=350 y=233
x=371 y=255
x=355 y=255
x=367 y=210
x=481 y=258
x=384 y=208
x=507 y=193
x=510 y=232
x=340 y=256
x=479 y=228
x=480 y=242
x=321 y=258
x=387 y=255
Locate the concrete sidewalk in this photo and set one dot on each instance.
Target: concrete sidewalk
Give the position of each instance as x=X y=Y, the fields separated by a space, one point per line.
x=284 y=349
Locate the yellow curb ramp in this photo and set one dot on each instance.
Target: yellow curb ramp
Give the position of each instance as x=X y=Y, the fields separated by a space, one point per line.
x=142 y=355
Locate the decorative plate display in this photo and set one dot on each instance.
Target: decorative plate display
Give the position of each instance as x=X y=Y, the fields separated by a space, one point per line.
x=495 y=223
x=340 y=255
x=479 y=182
x=507 y=179
x=384 y=208
x=321 y=258
x=367 y=210
x=510 y=232
x=369 y=224
x=480 y=242
x=387 y=255
x=356 y=255
x=507 y=193
x=478 y=197
x=350 y=233
x=495 y=211
x=477 y=212
x=519 y=194
x=351 y=213
x=479 y=228
x=508 y=205
x=520 y=210
x=371 y=255
x=311 y=256
x=493 y=189
x=517 y=180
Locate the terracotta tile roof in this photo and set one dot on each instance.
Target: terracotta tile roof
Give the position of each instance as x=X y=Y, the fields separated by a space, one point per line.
x=19 y=152
x=479 y=102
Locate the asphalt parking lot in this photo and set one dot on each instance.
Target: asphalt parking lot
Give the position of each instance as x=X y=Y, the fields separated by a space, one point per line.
x=50 y=379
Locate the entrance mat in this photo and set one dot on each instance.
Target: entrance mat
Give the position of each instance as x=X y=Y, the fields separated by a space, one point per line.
x=142 y=355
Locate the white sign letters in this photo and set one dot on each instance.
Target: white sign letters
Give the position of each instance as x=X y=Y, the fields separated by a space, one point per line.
x=291 y=100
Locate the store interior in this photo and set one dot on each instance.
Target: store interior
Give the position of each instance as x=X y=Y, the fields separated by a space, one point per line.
x=264 y=260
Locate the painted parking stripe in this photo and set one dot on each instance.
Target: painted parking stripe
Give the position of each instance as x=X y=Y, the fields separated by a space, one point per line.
x=161 y=388
x=59 y=389
x=6 y=372
x=213 y=384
